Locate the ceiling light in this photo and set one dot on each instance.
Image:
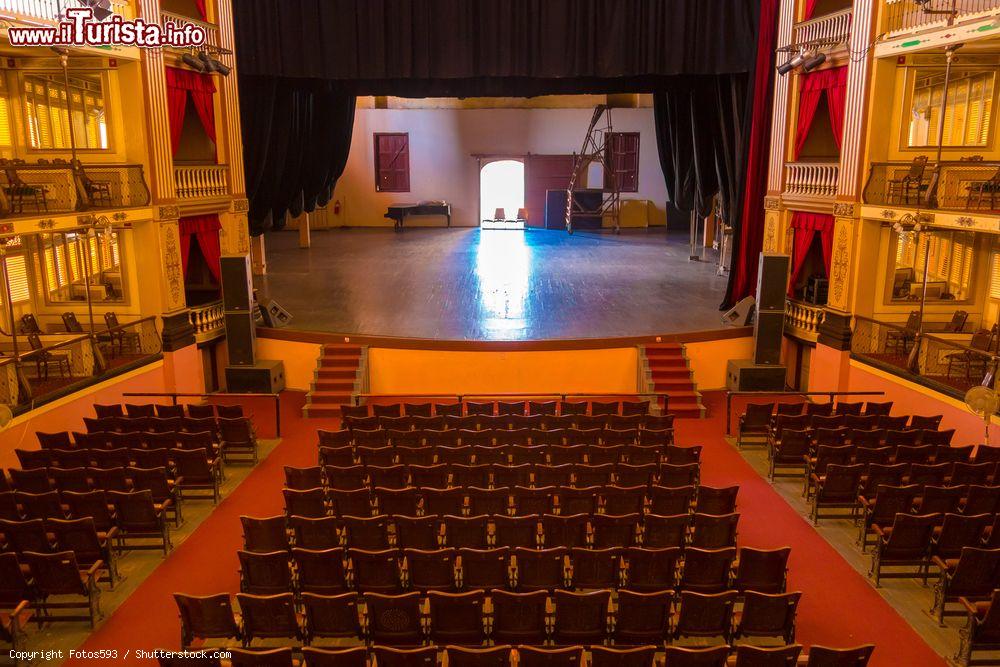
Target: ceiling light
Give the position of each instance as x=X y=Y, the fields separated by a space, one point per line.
x=814 y=61
x=791 y=64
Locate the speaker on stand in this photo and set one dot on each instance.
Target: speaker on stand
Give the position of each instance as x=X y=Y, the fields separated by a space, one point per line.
x=245 y=373
x=764 y=372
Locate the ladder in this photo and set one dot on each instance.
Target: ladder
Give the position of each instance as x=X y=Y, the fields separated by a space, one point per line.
x=595 y=150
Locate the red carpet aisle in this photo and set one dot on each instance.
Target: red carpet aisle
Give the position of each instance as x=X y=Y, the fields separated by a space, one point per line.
x=839 y=607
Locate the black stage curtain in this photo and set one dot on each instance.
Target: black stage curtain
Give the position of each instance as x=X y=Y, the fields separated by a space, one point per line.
x=301 y=63
x=297 y=137
x=460 y=48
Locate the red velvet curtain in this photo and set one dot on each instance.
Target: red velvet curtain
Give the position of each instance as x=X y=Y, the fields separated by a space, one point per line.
x=200 y=4
x=205 y=228
x=201 y=88
x=810 y=9
x=833 y=82
x=806 y=226
x=751 y=228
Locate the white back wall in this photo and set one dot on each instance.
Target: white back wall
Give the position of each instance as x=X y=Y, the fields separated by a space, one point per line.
x=442 y=142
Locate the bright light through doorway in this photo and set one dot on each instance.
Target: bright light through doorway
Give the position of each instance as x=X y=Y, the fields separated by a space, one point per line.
x=501 y=185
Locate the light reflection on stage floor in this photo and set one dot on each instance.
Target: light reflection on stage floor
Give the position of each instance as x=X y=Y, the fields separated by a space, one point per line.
x=467 y=284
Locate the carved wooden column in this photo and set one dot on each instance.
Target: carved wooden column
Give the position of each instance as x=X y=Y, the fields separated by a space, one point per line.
x=836 y=329
x=161 y=161
x=779 y=117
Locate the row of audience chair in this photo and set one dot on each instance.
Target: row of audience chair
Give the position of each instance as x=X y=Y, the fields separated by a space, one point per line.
x=460 y=434
x=549 y=408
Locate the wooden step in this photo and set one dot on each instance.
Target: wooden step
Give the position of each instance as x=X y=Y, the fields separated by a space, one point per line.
x=321 y=411
x=333 y=386
x=671 y=386
x=337 y=373
x=329 y=397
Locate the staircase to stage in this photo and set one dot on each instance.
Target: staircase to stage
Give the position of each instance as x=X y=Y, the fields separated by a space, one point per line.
x=667 y=372
x=336 y=380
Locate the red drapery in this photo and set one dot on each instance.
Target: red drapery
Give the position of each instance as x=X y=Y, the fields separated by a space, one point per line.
x=751 y=229
x=833 y=82
x=200 y=4
x=180 y=84
x=810 y=9
x=205 y=228
x=806 y=226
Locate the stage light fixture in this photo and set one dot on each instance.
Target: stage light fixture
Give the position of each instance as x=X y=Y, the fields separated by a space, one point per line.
x=193 y=62
x=221 y=67
x=792 y=63
x=813 y=62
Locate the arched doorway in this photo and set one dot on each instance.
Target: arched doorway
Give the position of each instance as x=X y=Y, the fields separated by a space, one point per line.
x=501 y=185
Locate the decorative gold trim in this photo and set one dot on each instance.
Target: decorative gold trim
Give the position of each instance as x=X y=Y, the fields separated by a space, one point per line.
x=888 y=214
x=241 y=205
x=772 y=203
x=48 y=223
x=168 y=213
x=965 y=221
x=845 y=210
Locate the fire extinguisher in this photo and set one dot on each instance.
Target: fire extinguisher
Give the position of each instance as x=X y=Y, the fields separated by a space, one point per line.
x=336 y=207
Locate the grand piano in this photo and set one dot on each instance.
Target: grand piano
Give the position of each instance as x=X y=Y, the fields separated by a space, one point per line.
x=398 y=213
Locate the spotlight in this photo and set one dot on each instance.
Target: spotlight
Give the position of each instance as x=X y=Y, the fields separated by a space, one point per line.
x=221 y=67
x=193 y=62
x=813 y=62
x=206 y=61
x=792 y=63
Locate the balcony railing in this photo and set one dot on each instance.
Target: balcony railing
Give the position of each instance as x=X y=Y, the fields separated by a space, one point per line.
x=967 y=185
x=40 y=189
x=812 y=179
x=944 y=365
x=803 y=320
x=55 y=10
x=208 y=320
x=198 y=181
x=37 y=376
x=179 y=21
x=906 y=16
x=829 y=29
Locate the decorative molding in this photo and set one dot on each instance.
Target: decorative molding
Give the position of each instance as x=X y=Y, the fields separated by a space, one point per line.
x=172 y=267
x=241 y=205
x=845 y=210
x=770 y=234
x=48 y=223
x=168 y=213
x=178 y=332
x=772 y=203
x=840 y=270
x=835 y=330
x=965 y=221
x=888 y=214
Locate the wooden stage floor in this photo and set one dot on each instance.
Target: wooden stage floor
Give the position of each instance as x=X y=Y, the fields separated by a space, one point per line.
x=467 y=284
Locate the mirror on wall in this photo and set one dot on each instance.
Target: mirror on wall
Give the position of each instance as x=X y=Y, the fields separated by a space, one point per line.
x=968 y=111
x=950 y=265
x=48 y=106
x=73 y=263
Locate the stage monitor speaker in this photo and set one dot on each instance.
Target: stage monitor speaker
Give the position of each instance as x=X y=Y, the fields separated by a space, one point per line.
x=742 y=313
x=237 y=283
x=274 y=315
x=767 y=336
x=265 y=377
x=745 y=375
x=241 y=338
x=772 y=281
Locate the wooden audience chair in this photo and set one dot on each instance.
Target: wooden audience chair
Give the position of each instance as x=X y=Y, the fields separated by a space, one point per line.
x=58 y=575
x=315 y=532
x=767 y=615
x=457 y=618
x=756 y=421
x=140 y=520
x=205 y=618
x=652 y=570
x=904 y=544
x=519 y=618
x=759 y=656
x=529 y=656
x=269 y=617
x=331 y=617
x=320 y=572
x=265 y=573
x=493 y=656
x=822 y=656
x=395 y=620
x=642 y=619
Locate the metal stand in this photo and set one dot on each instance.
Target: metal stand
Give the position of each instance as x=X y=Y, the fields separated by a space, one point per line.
x=596 y=149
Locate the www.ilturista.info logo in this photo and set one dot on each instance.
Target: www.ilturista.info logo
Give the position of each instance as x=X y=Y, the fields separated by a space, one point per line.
x=80 y=28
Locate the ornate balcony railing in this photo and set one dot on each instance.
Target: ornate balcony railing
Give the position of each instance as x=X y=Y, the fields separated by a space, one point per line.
x=905 y=16
x=198 y=181
x=803 y=320
x=829 y=29
x=208 y=320
x=55 y=10
x=944 y=365
x=811 y=179
x=179 y=21
x=967 y=185
x=40 y=375
x=40 y=189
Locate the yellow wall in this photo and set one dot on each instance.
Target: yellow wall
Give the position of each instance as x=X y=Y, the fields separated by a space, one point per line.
x=708 y=360
x=610 y=371
x=300 y=360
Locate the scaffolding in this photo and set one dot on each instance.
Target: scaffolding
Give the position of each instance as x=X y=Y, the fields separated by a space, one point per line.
x=596 y=150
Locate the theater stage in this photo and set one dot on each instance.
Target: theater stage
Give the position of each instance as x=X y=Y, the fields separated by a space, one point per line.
x=467 y=284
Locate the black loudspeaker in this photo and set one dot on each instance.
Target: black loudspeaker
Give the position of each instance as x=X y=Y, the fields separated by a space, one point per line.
x=274 y=315
x=241 y=338
x=744 y=375
x=742 y=314
x=767 y=336
x=266 y=377
x=772 y=281
x=237 y=283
